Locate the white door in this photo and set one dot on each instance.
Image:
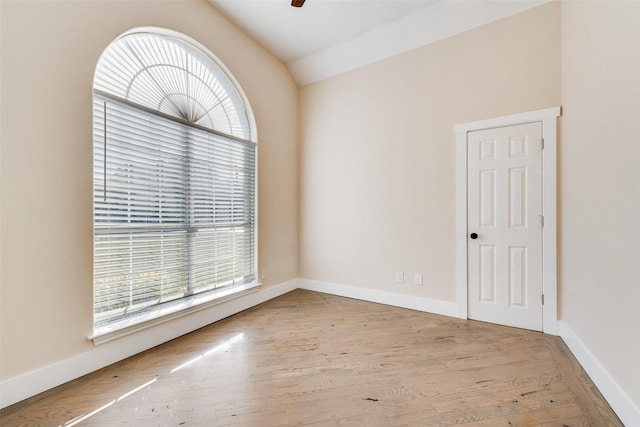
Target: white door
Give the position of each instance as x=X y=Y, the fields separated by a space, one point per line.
x=504 y=225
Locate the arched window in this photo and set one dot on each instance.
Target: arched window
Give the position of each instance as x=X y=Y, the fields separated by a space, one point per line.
x=174 y=181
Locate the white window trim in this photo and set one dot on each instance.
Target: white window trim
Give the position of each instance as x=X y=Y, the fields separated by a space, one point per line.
x=172 y=311
x=547 y=117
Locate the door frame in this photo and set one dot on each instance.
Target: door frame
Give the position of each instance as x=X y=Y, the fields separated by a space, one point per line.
x=548 y=118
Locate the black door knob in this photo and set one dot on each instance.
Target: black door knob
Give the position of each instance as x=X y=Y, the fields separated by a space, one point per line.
x=474 y=236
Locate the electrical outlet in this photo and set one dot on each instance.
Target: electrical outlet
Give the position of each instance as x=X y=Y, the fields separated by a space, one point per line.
x=263 y=273
x=417 y=279
x=399 y=277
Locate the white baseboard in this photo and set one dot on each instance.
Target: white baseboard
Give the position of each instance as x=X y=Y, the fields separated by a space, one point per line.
x=18 y=388
x=622 y=405
x=382 y=297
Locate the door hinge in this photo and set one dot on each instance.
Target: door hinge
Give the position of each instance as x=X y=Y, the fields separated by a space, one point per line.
x=542 y=299
x=542 y=144
x=541 y=220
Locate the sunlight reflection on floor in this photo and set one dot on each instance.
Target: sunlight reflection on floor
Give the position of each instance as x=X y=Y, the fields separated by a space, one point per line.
x=221 y=346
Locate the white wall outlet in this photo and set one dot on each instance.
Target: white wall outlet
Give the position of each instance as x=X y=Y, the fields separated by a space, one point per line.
x=399 y=277
x=417 y=279
x=263 y=273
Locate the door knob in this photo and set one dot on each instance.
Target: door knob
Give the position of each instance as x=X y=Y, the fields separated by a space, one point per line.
x=474 y=236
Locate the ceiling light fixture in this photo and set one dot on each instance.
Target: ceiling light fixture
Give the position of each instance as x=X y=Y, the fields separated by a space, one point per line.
x=297 y=3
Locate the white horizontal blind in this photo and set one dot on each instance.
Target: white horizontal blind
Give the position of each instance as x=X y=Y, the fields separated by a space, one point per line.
x=174 y=210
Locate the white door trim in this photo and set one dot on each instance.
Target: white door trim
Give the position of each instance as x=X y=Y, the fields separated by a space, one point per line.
x=548 y=118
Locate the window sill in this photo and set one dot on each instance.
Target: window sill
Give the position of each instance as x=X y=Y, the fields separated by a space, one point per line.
x=170 y=312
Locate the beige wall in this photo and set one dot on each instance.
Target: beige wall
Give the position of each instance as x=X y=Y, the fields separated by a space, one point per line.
x=49 y=52
x=377 y=156
x=600 y=183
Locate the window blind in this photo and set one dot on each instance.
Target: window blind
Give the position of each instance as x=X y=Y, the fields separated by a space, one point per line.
x=174 y=210
x=170 y=75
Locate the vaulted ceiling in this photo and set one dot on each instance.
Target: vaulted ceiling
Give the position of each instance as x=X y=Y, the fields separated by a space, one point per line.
x=325 y=38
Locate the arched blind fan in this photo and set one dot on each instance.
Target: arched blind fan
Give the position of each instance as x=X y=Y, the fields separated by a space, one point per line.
x=168 y=75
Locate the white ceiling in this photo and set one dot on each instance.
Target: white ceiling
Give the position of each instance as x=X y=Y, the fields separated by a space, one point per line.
x=325 y=38
x=295 y=32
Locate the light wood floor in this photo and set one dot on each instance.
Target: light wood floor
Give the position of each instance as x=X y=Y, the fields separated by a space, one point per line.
x=310 y=359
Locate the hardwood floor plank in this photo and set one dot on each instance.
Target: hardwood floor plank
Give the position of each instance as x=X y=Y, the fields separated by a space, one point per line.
x=311 y=359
